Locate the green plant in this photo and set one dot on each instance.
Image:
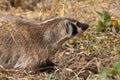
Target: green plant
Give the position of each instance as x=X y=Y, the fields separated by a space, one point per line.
x=106 y=22
x=53 y=76
x=113 y=73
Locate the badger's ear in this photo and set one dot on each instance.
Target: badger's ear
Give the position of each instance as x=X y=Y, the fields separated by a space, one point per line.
x=71 y=28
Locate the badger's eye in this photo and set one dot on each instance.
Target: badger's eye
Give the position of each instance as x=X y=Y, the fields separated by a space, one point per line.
x=78 y=24
x=71 y=29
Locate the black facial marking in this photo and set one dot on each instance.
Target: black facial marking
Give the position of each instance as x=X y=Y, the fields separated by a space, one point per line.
x=82 y=25
x=67 y=28
x=74 y=32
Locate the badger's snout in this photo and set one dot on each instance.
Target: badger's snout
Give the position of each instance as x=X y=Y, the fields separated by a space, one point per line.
x=83 y=26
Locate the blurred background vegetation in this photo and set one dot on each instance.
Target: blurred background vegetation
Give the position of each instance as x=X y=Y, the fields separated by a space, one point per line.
x=84 y=57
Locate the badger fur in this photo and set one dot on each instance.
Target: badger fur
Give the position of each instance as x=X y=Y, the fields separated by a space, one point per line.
x=27 y=45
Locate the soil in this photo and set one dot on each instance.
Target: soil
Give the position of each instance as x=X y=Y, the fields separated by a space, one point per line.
x=80 y=58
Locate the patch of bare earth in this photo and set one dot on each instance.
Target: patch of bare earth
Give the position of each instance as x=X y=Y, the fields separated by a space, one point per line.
x=81 y=57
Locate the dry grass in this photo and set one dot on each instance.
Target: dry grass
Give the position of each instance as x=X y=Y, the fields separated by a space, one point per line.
x=83 y=56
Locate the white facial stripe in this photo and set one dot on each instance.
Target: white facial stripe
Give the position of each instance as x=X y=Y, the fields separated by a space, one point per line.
x=49 y=20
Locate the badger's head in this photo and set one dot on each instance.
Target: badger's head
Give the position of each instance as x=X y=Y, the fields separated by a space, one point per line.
x=62 y=30
x=74 y=27
x=68 y=28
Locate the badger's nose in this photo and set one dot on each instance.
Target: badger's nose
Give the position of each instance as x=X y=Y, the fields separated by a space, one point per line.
x=83 y=26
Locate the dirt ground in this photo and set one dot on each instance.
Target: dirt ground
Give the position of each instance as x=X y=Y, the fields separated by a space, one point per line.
x=80 y=58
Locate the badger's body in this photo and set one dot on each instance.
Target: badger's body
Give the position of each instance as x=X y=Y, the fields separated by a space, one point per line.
x=27 y=45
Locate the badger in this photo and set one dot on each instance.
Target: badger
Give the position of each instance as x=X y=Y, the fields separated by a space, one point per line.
x=30 y=45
